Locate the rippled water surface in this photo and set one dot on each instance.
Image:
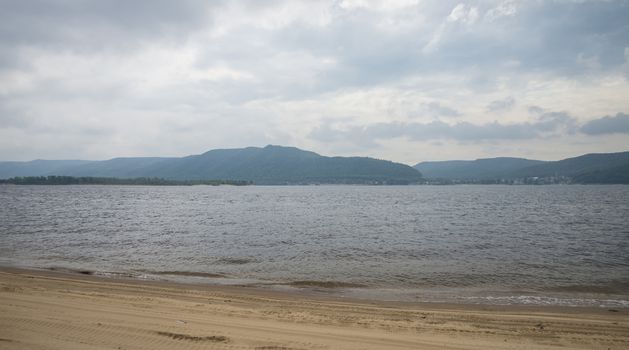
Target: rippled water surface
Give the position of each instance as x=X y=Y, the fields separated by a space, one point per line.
x=498 y=244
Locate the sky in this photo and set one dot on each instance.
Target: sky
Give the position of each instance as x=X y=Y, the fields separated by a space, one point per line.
x=403 y=80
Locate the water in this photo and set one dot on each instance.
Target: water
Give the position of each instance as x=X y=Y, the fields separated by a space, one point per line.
x=561 y=245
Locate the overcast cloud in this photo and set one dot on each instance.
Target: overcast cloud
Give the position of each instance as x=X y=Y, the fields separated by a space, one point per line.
x=405 y=80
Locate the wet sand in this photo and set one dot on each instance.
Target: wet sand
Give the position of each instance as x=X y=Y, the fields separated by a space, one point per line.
x=52 y=310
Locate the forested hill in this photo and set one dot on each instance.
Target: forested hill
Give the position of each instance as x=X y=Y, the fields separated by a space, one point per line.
x=265 y=166
x=589 y=168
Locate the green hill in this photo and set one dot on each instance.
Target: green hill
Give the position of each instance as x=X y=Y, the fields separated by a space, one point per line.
x=267 y=166
x=605 y=165
x=589 y=168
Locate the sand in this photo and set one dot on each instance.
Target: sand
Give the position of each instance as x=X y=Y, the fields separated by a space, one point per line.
x=46 y=310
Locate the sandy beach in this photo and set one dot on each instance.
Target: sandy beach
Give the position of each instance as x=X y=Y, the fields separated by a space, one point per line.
x=51 y=310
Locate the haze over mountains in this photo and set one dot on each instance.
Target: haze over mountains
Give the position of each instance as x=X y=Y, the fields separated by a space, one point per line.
x=273 y=165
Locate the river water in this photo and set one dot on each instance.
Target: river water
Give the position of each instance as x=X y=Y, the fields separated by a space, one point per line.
x=560 y=245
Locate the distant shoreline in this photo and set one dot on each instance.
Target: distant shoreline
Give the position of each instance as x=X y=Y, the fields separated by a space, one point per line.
x=124 y=182
x=88 y=180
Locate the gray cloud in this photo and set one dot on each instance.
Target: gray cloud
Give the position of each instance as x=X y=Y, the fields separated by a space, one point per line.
x=535 y=109
x=438 y=109
x=546 y=125
x=503 y=105
x=94 y=27
x=549 y=124
x=79 y=25
x=369 y=47
x=618 y=124
x=556 y=121
x=188 y=71
x=540 y=39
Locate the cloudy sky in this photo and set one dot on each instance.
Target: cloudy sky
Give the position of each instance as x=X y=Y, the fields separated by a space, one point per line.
x=406 y=80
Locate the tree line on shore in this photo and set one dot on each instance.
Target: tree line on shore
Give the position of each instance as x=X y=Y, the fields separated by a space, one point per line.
x=89 y=180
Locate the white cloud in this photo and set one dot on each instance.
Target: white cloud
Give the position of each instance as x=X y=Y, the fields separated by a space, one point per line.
x=504 y=9
x=460 y=14
x=463 y=13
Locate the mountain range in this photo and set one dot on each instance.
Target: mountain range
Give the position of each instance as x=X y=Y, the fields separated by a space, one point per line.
x=270 y=165
x=588 y=168
x=274 y=165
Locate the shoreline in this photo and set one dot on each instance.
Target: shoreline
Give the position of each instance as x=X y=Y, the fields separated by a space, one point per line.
x=55 y=310
x=296 y=293
x=347 y=290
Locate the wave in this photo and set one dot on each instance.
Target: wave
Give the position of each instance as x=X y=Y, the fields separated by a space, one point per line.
x=235 y=261
x=188 y=274
x=325 y=284
x=545 y=301
x=66 y=270
x=610 y=287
